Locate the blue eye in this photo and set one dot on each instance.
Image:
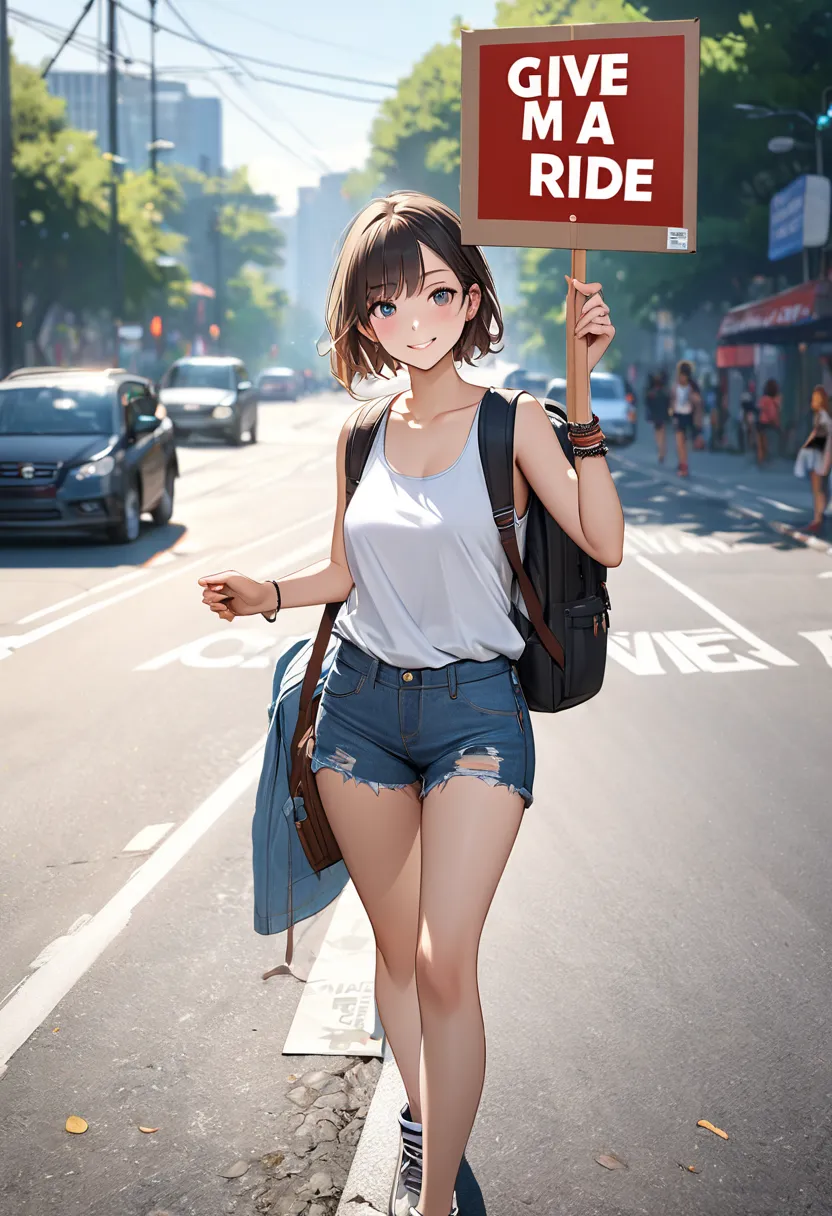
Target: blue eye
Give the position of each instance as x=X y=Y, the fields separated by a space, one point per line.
x=385 y=308
x=442 y=295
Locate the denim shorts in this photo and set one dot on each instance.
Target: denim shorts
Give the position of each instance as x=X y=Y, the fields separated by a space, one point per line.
x=389 y=727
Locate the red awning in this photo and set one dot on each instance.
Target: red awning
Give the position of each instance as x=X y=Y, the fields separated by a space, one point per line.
x=734 y=356
x=203 y=290
x=801 y=314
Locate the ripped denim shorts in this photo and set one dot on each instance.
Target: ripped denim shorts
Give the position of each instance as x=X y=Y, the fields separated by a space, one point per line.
x=390 y=727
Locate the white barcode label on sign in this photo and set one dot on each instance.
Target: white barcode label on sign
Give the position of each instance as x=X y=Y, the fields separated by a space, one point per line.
x=677 y=238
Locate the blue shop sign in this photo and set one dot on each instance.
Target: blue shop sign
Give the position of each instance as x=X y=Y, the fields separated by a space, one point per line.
x=785 y=229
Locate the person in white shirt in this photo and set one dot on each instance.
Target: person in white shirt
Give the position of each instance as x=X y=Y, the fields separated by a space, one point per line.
x=684 y=401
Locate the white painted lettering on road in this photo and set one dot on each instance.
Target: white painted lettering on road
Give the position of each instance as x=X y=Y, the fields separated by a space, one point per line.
x=758 y=648
x=236 y=647
x=638 y=656
x=822 y=638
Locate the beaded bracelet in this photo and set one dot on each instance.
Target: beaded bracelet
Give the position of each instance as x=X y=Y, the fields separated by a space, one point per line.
x=583 y=428
x=271 y=617
x=599 y=449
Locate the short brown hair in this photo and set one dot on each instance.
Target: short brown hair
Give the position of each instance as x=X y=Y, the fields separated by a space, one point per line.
x=379 y=256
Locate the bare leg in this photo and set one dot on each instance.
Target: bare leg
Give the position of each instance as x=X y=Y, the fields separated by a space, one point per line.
x=661 y=442
x=379 y=838
x=468 y=829
x=681 y=449
x=818 y=497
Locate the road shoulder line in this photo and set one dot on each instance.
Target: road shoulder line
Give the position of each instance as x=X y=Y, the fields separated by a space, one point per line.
x=371 y=1173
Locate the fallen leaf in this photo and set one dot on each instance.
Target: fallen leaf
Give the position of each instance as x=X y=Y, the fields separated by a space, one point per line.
x=691 y=1168
x=236 y=1170
x=55 y=1029
x=76 y=1124
x=148 y=1129
x=611 y=1162
x=716 y=1130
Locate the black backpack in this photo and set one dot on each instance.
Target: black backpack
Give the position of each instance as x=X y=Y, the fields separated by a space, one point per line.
x=563 y=588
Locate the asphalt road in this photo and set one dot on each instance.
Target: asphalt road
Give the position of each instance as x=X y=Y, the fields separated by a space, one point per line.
x=657 y=953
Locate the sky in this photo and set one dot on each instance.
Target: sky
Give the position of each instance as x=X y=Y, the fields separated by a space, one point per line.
x=305 y=134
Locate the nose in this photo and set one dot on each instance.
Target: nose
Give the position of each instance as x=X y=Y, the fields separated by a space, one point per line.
x=415 y=323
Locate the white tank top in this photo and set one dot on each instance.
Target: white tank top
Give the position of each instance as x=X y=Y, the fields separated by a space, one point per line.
x=432 y=583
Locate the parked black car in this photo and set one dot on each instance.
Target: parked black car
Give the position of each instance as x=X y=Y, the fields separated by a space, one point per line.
x=83 y=450
x=212 y=395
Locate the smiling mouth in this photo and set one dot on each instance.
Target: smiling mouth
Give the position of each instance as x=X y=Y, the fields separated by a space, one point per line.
x=420 y=345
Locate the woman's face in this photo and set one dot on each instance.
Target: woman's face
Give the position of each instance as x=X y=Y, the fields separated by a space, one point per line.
x=684 y=379
x=419 y=330
x=817 y=401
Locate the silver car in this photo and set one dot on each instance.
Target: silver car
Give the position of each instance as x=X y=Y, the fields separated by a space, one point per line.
x=212 y=395
x=617 y=414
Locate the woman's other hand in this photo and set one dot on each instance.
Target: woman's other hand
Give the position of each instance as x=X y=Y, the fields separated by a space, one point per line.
x=594 y=322
x=231 y=595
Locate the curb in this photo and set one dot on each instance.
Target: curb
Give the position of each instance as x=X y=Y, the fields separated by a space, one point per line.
x=802 y=538
x=367 y=1189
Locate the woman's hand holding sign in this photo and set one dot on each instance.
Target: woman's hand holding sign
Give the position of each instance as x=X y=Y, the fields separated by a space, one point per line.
x=594 y=322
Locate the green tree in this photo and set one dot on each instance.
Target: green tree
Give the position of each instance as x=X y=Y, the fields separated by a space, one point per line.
x=61 y=198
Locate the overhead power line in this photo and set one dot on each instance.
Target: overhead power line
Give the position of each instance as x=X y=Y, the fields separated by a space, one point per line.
x=268 y=63
x=69 y=36
x=322 y=165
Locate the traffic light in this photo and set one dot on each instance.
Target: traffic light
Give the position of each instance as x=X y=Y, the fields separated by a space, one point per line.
x=156 y=327
x=823 y=121
x=214 y=331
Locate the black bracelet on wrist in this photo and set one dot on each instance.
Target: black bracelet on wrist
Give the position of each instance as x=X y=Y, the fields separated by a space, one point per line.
x=271 y=617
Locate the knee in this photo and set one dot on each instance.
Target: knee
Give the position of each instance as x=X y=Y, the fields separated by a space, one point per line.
x=398 y=958
x=445 y=976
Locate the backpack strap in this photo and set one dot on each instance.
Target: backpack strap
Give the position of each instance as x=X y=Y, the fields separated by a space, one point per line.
x=496 y=441
x=361 y=438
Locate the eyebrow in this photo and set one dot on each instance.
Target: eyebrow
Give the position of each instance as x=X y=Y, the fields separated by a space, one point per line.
x=386 y=286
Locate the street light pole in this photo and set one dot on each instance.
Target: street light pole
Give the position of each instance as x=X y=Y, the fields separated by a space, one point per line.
x=154 y=134
x=115 y=172
x=8 y=275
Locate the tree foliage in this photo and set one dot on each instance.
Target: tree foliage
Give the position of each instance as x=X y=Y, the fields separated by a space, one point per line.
x=62 y=211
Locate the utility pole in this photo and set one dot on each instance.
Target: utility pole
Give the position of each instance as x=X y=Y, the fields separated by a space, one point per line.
x=219 y=287
x=154 y=133
x=115 y=172
x=8 y=268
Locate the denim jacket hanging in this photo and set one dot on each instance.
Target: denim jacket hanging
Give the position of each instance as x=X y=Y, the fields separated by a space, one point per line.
x=286 y=888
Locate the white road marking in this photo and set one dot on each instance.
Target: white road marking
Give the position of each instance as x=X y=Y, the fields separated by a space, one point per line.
x=35 y=999
x=825 y=574
x=639 y=657
x=82 y=595
x=781 y=506
x=255 y=747
x=822 y=638
x=147 y=838
x=676 y=540
x=677 y=656
x=9 y=644
x=759 y=649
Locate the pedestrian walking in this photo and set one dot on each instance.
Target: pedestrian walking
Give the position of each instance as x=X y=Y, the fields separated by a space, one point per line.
x=685 y=401
x=768 y=419
x=748 y=416
x=424 y=752
x=657 y=405
x=815 y=456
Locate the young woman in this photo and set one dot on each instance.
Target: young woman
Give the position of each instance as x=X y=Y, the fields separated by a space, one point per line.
x=424 y=753
x=815 y=457
x=685 y=402
x=768 y=419
x=657 y=402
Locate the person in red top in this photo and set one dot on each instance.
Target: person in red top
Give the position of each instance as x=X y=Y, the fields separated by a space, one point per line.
x=768 y=418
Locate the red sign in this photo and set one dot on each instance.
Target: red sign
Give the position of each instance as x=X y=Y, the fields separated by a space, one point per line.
x=581 y=136
x=797 y=306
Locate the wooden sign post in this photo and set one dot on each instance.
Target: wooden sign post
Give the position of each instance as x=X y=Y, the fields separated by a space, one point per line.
x=581 y=137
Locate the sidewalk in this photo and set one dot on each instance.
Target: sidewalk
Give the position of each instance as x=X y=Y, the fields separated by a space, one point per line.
x=771 y=495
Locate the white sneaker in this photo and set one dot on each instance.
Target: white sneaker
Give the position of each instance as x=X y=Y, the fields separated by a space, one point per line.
x=407 y=1182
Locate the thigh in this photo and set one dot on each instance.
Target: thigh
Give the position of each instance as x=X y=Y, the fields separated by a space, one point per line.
x=468 y=831
x=378 y=834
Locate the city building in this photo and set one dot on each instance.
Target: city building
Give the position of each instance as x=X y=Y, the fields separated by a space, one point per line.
x=323 y=213
x=192 y=124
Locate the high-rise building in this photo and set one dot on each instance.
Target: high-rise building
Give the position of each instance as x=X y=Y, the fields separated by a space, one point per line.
x=192 y=124
x=323 y=213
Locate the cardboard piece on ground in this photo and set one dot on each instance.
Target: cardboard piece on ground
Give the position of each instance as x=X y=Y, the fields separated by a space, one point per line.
x=337 y=1012
x=581 y=136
